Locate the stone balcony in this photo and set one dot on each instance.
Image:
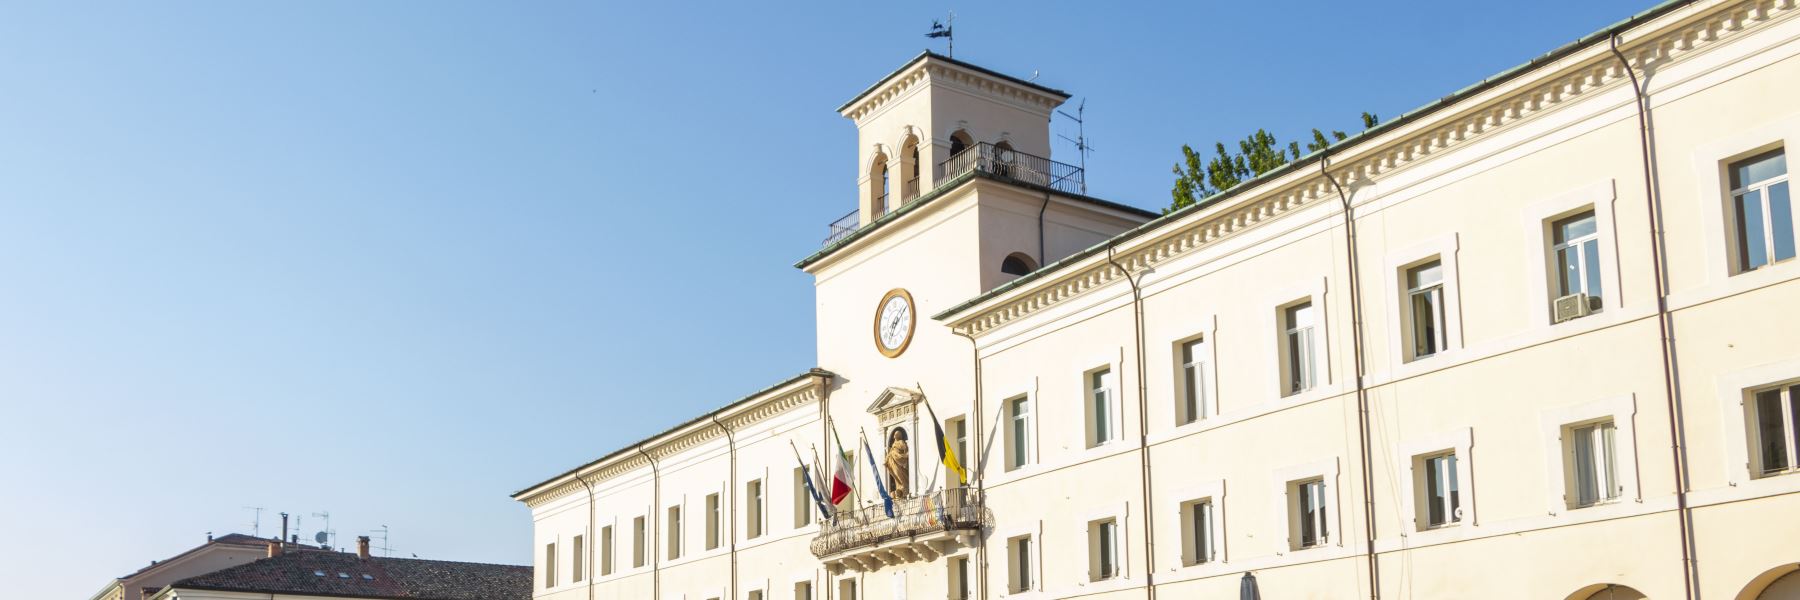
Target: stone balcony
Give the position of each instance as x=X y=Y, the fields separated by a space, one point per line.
x=922 y=529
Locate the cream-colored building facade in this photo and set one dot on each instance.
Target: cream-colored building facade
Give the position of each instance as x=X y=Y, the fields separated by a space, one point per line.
x=1544 y=355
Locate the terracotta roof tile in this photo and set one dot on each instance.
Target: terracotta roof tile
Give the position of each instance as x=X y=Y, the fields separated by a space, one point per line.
x=343 y=574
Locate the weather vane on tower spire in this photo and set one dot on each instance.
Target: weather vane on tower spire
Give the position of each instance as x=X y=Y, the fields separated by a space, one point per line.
x=945 y=30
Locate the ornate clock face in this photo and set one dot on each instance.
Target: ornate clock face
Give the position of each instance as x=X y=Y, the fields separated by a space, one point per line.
x=894 y=319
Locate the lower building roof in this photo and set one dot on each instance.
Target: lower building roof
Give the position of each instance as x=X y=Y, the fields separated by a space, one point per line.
x=345 y=575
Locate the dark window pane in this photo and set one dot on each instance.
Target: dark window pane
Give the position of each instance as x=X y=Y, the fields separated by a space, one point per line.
x=1781 y=217
x=1771 y=431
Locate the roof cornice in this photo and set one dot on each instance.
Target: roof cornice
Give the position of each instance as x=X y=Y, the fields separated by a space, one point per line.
x=931 y=68
x=796 y=391
x=1668 y=33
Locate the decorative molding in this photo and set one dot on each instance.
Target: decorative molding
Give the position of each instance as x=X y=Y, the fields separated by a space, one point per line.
x=936 y=72
x=1584 y=76
x=799 y=393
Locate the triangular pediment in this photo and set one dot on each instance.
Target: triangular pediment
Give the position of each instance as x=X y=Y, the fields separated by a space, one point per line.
x=893 y=398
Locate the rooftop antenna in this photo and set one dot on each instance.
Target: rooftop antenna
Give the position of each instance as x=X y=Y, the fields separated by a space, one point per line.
x=385 y=550
x=1082 y=147
x=328 y=530
x=945 y=29
x=255 y=521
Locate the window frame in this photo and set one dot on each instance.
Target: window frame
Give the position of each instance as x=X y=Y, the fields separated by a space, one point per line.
x=1096 y=395
x=1786 y=394
x=672 y=524
x=1311 y=290
x=1022 y=578
x=957 y=580
x=577 y=550
x=1287 y=503
x=1540 y=288
x=755 y=522
x=803 y=508
x=550 y=565
x=1415 y=481
x=1020 y=453
x=1738 y=244
x=1444 y=249
x=715 y=521
x=1213 y=493
x=607 y=552
x=640 y=543
x=1103 y=543
x=1195 y=361
x=1556 y=423
x=1711 y=164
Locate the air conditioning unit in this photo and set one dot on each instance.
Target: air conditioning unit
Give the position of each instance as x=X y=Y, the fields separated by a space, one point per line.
x=1573 y=306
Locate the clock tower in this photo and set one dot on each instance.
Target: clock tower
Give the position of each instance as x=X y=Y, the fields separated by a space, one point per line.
x=956 y=194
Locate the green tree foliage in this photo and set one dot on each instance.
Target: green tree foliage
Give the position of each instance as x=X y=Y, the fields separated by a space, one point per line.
x=1197 y=178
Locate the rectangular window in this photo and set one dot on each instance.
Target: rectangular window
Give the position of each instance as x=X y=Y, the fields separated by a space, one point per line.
x=1198 y=543
x=958 y=430
x=1575 y=251
x=606 y=550
x=958 y=578
x=1300 y=347
x=1309 y=507
x=1763 y=214
x=579 y=554
x=712 y=521
x=1193 y=405
x=1018 y=552
x=1018 y=432
x=639 y=534
x=1594 y=463
x=754 y=595
x=802 y=501
x=846 y=589
x=1441 y=494
x=753 y=509
x=1773 y=433
x=1099 y=410
x=1103 y=549
x=674 y=533
x=803 y=590
x=549 y=565
x=1425 y=302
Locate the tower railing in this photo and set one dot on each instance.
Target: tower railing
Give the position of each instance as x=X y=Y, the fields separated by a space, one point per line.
x=1001 y=162
x=1007 y=163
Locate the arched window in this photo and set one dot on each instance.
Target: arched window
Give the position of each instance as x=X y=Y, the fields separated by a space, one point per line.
x=1004 y=157
x=1607 y=591
x=909 y=165
x=878 y=186
x=960 y=141
x=1017 y=264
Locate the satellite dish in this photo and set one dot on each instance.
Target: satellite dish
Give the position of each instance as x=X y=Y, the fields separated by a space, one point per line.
x=320 y=537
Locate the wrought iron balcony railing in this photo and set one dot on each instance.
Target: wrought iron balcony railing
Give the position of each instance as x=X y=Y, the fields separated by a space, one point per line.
x=1015 y=165
x=1001 y=162
x=842 y=227
x=951 y=512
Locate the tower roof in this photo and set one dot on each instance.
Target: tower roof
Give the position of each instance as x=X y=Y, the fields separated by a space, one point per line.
x=939 y=58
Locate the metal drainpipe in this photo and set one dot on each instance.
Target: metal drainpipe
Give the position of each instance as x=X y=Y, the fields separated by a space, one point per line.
x=650 y=525
x=981 y=563
x=1653 y=203
x=1137 y=335
x=588 y=552
x=1362 y=393
x=1041 y=256
x=730 y=484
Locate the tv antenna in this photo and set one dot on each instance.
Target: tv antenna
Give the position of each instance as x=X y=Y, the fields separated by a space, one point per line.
x=328 y=533
x=1082 y=147
x=385 y=550
x=255 y=521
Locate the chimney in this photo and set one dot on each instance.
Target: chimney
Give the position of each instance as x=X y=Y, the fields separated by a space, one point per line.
x=209 y=536
x=274 y=549
x=296 y=538
x=284 y=533
x=362 y=546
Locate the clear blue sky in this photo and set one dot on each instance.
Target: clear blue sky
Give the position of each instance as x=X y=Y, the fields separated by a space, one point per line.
x=396 y=260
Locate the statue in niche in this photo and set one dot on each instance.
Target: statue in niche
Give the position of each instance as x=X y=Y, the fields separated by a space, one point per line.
x=897 y=464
